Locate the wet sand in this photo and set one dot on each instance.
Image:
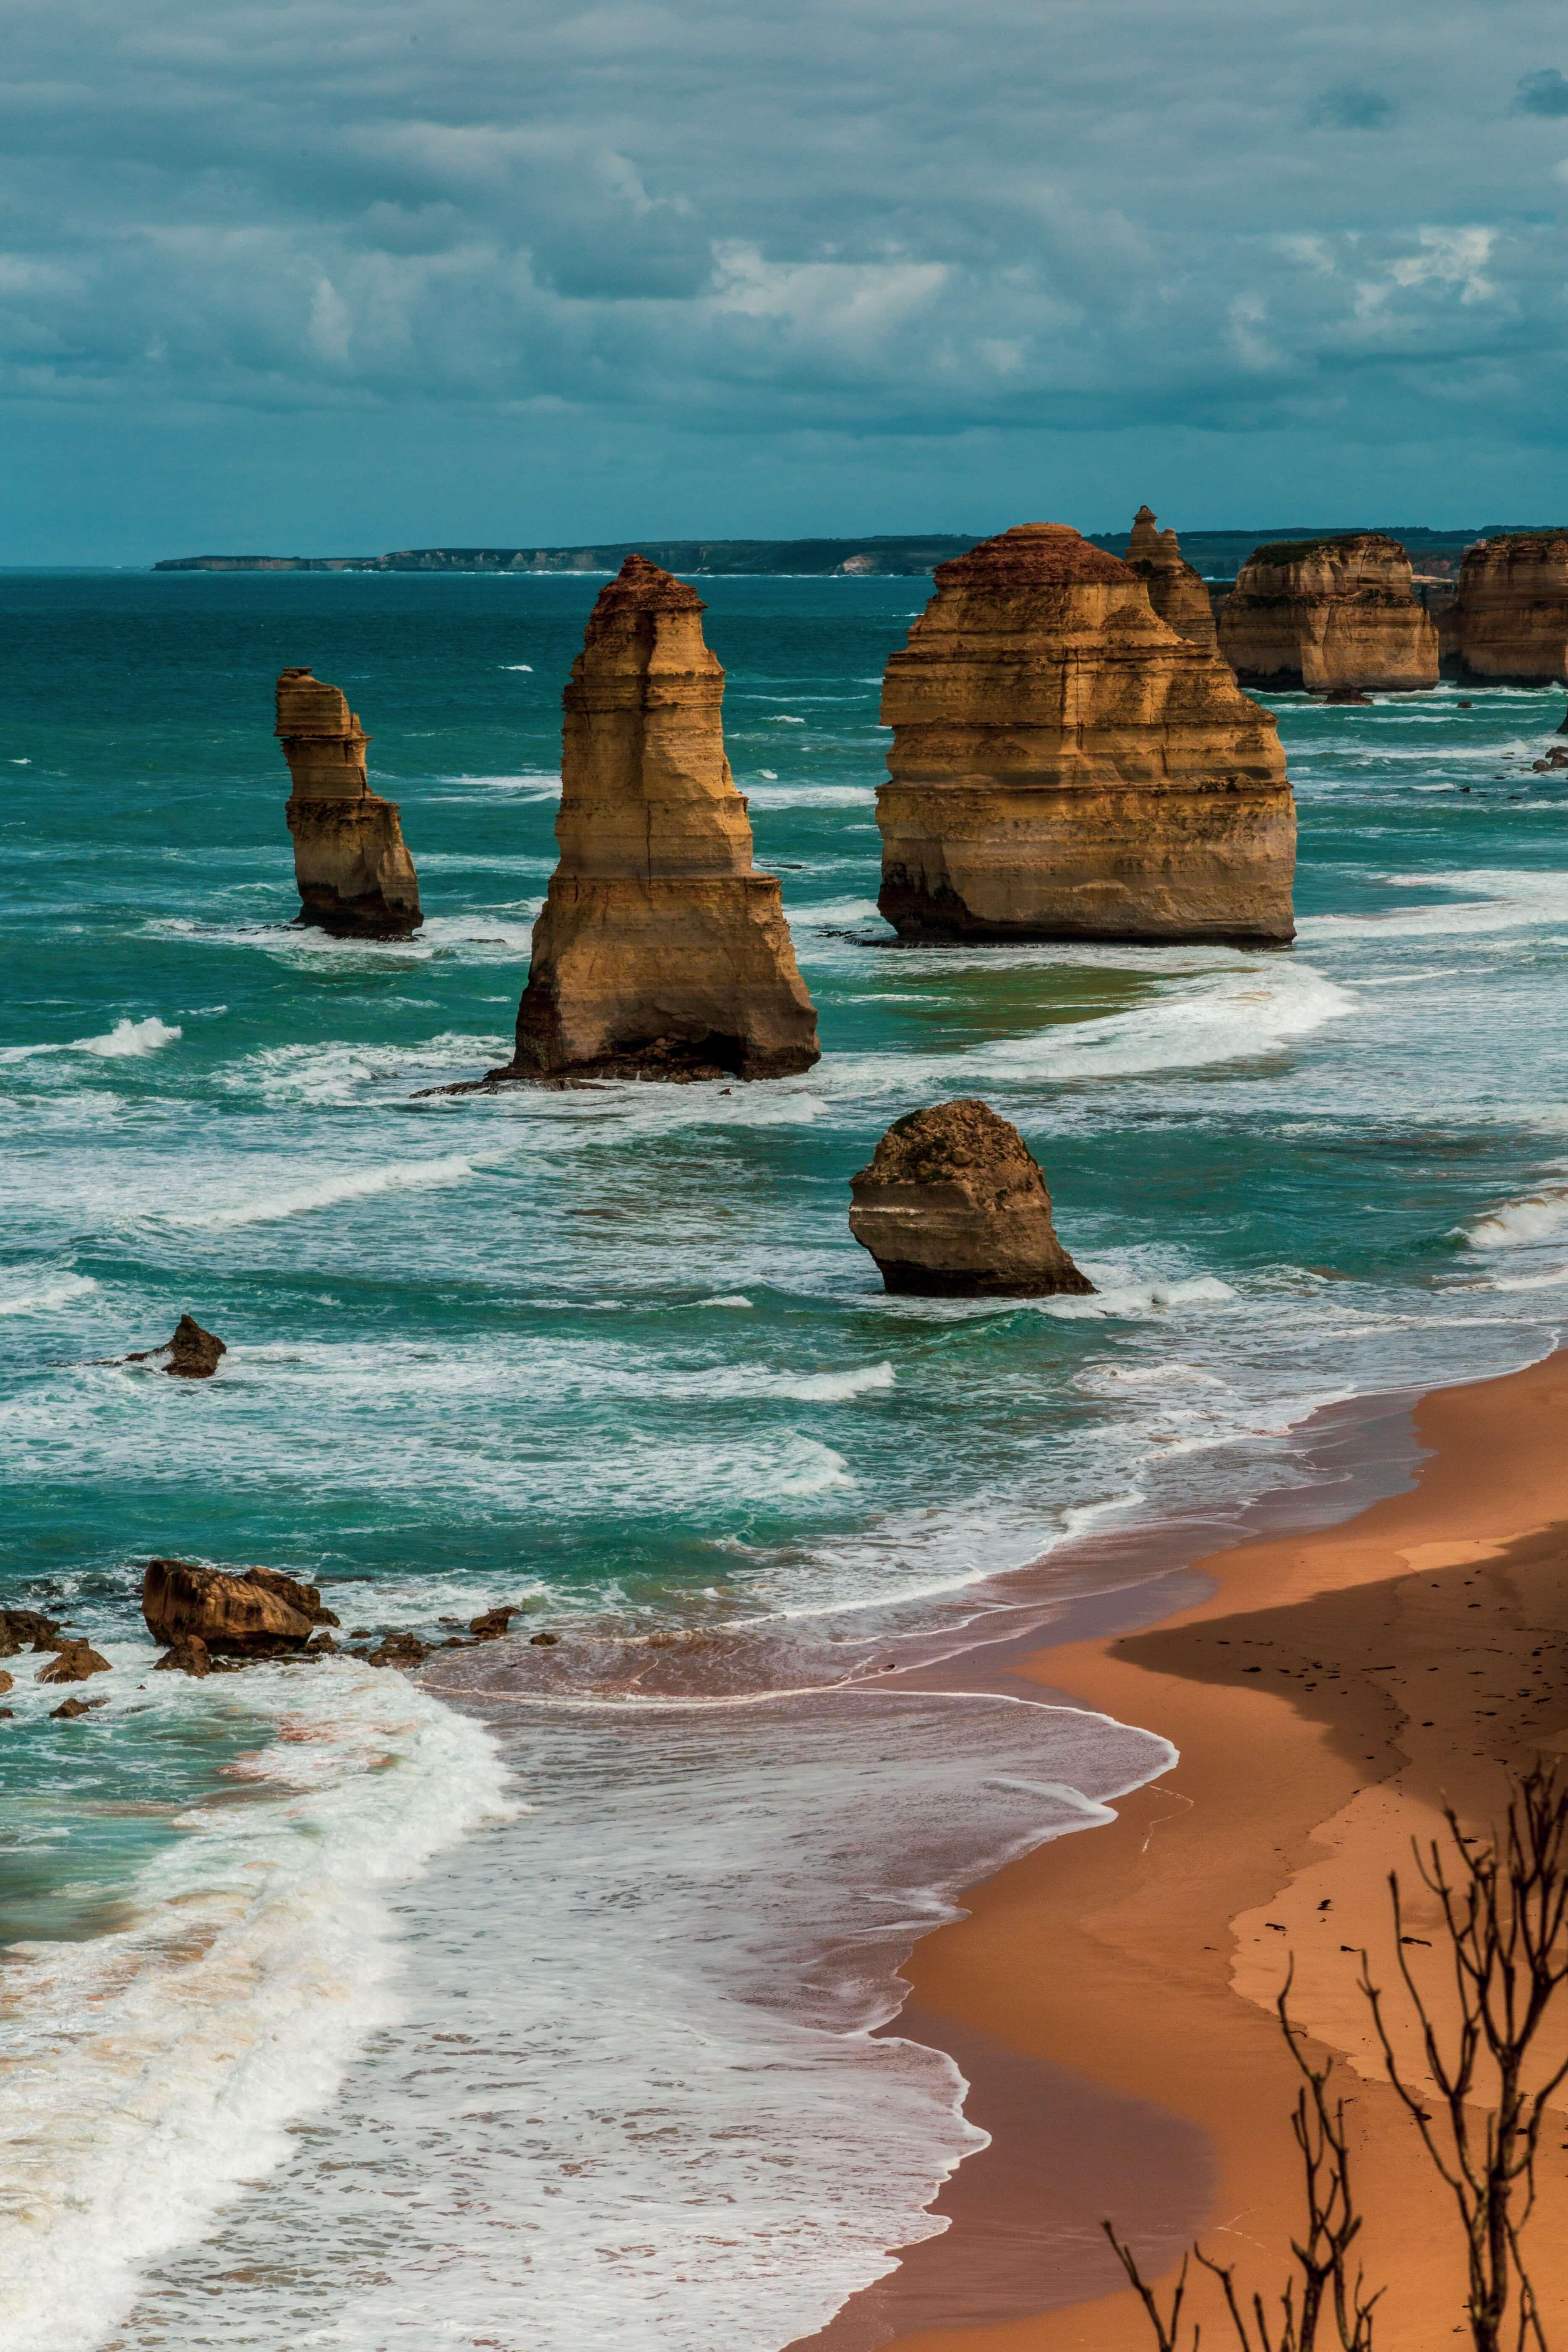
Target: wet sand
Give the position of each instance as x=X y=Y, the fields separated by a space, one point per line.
x=1111 y=1995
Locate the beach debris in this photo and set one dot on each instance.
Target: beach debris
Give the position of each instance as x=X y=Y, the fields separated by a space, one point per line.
x=661 y=952
x=954 y=1206
x=1065 y=764
x=1338 y=616
x=74 y=1662
x=68 y=1709
x=356 y=878
x=1176 y=591
x=190 y=1656
x=191 y=1354
x=260 y=1614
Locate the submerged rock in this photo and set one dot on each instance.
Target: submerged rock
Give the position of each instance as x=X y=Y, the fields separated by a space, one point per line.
x=191 y=1354
x=1330 y=614
x=74 y=1662
x=1176 y=591
x=954 y=1205
x=355 y=877
x=1065 y=765
x=235 y=1615
x=68 y=1709
x=661 y=952
x=1508 y=626
x=189 y=1656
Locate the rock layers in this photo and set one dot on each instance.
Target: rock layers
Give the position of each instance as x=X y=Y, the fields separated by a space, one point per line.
x=954 y=1205
x=1065 y=765
x=1510 y=623
x=355 y=877
x=1335 y=616
x=661 y=951
x=1176 y=591
x=262 y=1614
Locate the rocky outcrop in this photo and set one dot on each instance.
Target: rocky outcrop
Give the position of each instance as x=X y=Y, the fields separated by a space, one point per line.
x=243 y=1616
x=1176 y=592
x=661 y=952
x=1510 y=623
x=1332 y=616
x=954 y=1206
x=190 y=1656
x=74 y=1662
x=191 y=1354
x=1065 y=765
x=20 y=1626
x=355 y=877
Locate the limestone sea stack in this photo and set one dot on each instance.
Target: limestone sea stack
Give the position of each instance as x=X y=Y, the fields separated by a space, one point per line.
x=1065 y=765
x=1508 y=626
x=661 y=952
x=1334 y=616
x=355 y=877
x=1176 y=591
x=954 y=1206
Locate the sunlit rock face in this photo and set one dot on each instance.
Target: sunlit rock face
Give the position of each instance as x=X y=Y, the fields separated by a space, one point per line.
x=1510 y=623
x=1176 y=591
x=355 y=877
x=1332 y=615
x=954 y=1206
x=1065 y=765
x=661 y=951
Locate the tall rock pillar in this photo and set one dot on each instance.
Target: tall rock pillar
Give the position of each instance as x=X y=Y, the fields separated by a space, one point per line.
x=1176 y=591
x=1066 y=766
x=1510 y=623
x=661 y=950
x=355 y=877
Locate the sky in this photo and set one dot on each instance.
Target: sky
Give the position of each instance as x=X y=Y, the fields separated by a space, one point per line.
x=331 y=277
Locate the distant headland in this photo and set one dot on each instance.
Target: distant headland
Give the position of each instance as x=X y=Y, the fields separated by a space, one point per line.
x=1218 y=555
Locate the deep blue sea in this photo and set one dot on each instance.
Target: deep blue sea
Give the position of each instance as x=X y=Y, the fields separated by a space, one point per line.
x=540 y=2020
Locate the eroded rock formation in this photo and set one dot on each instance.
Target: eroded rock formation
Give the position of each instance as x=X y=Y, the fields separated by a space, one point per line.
x=1065 y=765
x=191 y=1354
x=233 y=1615
x=1510 y=623
x=1334 y=616
x=74 y=1662
x=661 y=951
x=954 y=1205
x=355 y=877
x=1176 y=591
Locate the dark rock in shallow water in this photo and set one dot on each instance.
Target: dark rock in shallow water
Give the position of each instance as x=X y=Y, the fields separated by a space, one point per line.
x=189 y=1656
x=492 y=1624
x=400 y=1649
x=74 y=1661
x=1348 y=694
x=237 y=1614
x=68 y=1709
x=954 y=1206
x=544 y=1641
x=192 y=1353
x=20 y=1626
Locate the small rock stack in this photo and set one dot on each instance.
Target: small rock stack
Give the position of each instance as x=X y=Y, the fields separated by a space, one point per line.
x=954 y=1206
x=355 y=877
x=1176 y=591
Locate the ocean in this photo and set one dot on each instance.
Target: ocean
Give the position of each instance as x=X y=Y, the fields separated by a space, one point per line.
x=533 y=2002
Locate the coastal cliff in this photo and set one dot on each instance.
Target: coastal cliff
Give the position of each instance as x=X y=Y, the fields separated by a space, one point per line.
x=1176 y=591
x=1510 y=623
x=1335 y=616
x=355 y=877
x=661 y=950
x=1065 y=765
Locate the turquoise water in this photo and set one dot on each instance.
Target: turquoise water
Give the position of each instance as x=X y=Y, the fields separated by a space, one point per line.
x=612 y=1354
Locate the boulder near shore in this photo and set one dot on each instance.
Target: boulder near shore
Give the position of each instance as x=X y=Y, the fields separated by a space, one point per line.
x=954 y=1206
x=1334 y=616
x=1065 y=765
x=355 y=877
x=661 y=952
x=259 y=1614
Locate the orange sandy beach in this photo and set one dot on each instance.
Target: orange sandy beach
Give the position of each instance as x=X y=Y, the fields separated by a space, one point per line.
x=1111 y=1994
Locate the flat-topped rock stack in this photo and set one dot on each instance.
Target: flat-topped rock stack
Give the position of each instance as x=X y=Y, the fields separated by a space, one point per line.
x=1332 y=616
x=661 y=951
x=355 y=877
x=1176 y=591
x=1066 y=765
x=1508 y=626
x=954 y=1206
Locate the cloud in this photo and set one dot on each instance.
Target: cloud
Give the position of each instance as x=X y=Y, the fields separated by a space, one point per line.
x=1349 y=109
x=1542 y=92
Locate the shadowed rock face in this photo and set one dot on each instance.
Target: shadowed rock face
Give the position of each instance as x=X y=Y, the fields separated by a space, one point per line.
x=191 y=1354
x=355 y=877
x=1176 y=591
x=1335 y=616
x=662 y=952
x=1065 y=765
x=1510 y=623
x=954 y=1205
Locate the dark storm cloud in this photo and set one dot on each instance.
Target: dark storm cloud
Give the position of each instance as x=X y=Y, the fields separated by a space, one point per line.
x=862 y=217
x=1542 y=92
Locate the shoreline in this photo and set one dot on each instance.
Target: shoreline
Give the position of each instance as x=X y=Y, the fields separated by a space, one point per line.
x=1327 y=1688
